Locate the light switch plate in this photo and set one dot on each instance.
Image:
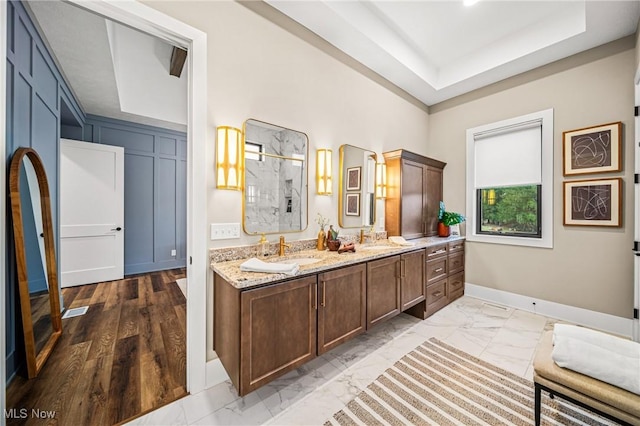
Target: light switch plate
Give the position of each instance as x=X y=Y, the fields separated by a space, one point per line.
x=173 y=252
x=225 y=231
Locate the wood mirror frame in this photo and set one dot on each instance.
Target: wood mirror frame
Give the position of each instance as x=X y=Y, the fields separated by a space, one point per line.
x=34 y=360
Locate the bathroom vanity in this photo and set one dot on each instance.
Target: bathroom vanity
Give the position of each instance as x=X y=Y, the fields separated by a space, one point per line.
x=266 y=325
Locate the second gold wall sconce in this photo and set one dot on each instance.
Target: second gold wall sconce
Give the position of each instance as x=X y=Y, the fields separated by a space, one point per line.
x=324 y=183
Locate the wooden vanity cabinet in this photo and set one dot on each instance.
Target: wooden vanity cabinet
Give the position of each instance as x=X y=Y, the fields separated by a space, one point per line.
x=414 y=191
x=456 y=270
x=445 y=275
x=383 y=290
x=413 y=274
x=264 y=333
x=394 y=284
x=342 y=306
x=436 y=282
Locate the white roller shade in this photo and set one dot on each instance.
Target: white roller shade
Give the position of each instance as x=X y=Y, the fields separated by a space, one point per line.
x=509 y=156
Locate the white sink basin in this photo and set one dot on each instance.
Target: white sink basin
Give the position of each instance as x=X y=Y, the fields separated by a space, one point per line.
x=376 y=247
x=300 y=261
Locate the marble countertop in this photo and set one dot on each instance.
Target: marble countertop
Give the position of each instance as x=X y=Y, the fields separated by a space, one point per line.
x=231 y=272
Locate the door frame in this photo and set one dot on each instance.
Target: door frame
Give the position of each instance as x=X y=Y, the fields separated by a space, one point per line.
x=158 y=24
x=178 y=33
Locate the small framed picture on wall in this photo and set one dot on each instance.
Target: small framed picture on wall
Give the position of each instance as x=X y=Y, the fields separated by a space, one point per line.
x=353 y=205
x=353 y=178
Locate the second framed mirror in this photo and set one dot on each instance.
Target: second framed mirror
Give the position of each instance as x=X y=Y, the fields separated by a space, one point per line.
x=356 y=193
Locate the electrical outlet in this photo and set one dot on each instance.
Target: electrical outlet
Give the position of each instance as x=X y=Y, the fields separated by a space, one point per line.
x=173 y=252
x=225 y=231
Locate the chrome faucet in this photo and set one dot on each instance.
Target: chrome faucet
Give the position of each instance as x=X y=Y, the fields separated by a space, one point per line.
x=282 y=246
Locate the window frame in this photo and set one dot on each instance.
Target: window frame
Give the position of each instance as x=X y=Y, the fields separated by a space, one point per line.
x=546 y=192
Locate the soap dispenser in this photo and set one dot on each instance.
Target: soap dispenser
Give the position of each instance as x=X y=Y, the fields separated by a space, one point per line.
x=263 y=247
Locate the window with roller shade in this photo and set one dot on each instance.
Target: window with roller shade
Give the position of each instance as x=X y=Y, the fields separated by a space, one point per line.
x=509 y=181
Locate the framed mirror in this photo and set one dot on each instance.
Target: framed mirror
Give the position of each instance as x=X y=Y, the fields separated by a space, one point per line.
x=275 y=196
x=35 y=257
x=356 y=194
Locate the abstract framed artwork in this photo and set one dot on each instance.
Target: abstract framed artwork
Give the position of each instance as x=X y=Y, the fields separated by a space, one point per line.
x=596 y=202
x=352 y=206
x=353 y=178
x=595 y=149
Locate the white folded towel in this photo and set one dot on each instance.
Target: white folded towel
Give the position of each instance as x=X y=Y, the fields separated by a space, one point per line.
x=608 y=358
x=257 y=265
x=401 y=241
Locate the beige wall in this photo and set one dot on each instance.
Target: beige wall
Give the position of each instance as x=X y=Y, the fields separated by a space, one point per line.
x=589 y=268
x=259 y=70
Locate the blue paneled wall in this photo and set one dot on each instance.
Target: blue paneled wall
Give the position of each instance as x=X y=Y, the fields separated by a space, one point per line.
x=35 y=90
x=155 y=173
x=40 y=110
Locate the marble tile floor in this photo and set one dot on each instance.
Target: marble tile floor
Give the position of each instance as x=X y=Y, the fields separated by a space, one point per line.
x=503 y=336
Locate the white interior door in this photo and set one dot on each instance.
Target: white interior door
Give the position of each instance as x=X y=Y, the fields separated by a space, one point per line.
x=91 y=212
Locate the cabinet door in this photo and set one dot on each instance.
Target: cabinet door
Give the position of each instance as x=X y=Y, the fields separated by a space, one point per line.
x=383 y=290
x=437 y=296
x=342 y=305
x=433 y=191
x=278 y=331
x=413 y=271
x=414 y=199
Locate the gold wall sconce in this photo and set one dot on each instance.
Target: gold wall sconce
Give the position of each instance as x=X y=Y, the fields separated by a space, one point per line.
x=489 y=196
x=324 y=183
x=229 y=158
x=381 y=180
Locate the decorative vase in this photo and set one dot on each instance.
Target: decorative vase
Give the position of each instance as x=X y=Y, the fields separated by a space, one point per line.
x=443 y=230
x=333 y=245
x=321 y=238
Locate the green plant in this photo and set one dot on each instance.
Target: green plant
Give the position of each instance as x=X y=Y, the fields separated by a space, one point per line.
x=451 y=218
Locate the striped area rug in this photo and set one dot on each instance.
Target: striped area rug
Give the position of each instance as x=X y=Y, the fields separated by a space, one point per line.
x=438 y=384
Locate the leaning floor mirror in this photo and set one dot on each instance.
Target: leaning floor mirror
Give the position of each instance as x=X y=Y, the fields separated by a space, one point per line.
x=36 y=268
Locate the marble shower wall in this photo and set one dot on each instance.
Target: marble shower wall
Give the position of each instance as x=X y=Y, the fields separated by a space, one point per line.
x=276 y=188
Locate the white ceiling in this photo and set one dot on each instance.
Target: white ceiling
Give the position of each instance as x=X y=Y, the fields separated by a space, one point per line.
x=113 y=70
x=433 y=50
x=436 y=50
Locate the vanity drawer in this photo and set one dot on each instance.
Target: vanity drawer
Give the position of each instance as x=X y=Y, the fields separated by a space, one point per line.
x=436 y=269
x=456 y=286
x=437 y=296
x=436 y=251
x=456 y=262
x=456 y=246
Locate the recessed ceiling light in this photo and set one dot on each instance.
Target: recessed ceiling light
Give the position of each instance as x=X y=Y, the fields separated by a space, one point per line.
x=470 y=2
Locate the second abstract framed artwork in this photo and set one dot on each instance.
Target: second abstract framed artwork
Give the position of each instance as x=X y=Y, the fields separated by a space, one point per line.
x=593 y=202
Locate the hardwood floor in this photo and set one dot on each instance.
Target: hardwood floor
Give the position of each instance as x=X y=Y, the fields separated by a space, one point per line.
x=125 y=356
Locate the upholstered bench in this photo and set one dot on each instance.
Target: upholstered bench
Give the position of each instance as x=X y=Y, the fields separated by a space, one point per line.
x=607 y=400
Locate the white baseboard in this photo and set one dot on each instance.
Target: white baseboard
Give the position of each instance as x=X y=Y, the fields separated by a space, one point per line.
x=597 y=320
x=215 y=373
